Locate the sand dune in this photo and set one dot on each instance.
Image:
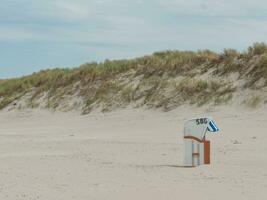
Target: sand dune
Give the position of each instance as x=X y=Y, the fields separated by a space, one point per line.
x=129 y=154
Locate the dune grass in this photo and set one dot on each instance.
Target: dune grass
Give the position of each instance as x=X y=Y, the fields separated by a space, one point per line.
x=100 y=82
x=253 y=101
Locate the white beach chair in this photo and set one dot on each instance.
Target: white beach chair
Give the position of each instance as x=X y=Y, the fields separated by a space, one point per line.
x=197 y=148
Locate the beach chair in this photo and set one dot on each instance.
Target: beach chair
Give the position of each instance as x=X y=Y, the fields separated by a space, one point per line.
x=197 y=148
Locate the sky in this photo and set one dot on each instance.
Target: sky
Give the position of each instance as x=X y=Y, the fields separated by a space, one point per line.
x=41 y=34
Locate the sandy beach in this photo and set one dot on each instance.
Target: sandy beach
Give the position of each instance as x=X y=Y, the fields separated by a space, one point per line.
x=129 y=154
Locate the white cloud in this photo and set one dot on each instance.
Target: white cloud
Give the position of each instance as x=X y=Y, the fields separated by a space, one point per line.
x=121 y=28
x=71 y=32
x=72 y=10
x=214 y=7
x=17 y=34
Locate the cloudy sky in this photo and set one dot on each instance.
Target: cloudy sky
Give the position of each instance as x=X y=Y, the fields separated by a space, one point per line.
x=38 y=34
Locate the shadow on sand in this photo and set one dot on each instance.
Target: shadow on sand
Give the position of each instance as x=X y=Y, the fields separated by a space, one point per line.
x=175 y=166
x=162 y=166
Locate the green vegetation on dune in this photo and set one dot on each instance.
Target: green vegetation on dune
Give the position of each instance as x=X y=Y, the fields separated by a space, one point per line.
x=163 y=80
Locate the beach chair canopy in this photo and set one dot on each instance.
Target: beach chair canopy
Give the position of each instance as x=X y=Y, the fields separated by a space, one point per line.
x=198 y=127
